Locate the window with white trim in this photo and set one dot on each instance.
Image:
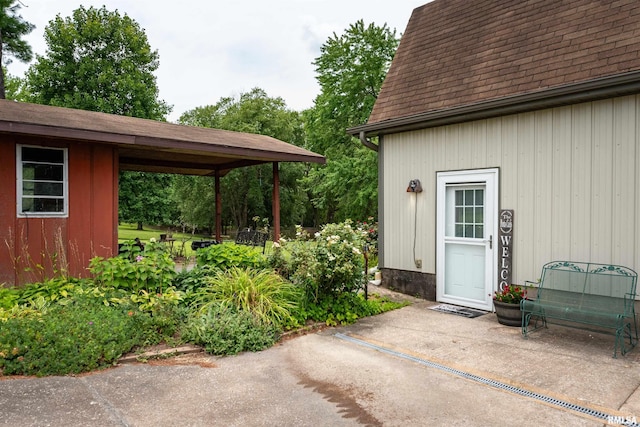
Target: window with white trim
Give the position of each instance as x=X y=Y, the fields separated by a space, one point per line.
x=42 y=181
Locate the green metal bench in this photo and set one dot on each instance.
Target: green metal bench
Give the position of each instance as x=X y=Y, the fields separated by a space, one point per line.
x=251 y=237
x=585 y=294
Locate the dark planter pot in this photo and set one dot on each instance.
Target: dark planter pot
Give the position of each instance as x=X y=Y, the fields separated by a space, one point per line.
x=508 y=314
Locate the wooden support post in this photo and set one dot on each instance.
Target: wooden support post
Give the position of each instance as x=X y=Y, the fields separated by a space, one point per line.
x=276 y=203
x=218 y=208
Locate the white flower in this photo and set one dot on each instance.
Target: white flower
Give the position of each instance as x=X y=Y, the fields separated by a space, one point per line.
x=283 y=240
x=317 y=234
x=276 y=244
x=152 y=240
x=356 y=251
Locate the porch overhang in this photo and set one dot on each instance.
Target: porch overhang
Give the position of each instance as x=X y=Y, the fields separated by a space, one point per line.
x=149 y=145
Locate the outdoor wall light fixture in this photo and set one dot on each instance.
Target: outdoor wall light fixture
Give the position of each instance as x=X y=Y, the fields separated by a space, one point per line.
x=414 y=186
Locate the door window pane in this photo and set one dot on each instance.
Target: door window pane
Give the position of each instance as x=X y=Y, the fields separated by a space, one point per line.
x=469 y=213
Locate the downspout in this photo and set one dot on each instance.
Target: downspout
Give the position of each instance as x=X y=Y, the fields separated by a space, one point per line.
x=367 y=143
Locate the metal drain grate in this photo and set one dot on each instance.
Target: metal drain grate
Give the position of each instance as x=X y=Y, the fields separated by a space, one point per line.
x=623 y=421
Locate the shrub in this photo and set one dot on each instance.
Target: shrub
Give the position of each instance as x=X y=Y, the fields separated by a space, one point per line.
x=331 y=263
x=262 y=293
x=227 y=255
x=226 y=331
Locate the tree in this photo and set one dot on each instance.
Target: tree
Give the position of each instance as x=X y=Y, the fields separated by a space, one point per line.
x=144 y=198
x=246 y=192
x=194 y=197
x=350 y=71
x=12 y=29
x=15 y=87
x=100 y=61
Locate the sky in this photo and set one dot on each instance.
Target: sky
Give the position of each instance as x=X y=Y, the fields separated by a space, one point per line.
x=210 y=49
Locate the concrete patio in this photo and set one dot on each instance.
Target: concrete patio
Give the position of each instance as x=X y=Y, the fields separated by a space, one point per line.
x=412 y=366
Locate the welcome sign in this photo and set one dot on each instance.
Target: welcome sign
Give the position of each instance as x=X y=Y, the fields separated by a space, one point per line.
x=505 y=257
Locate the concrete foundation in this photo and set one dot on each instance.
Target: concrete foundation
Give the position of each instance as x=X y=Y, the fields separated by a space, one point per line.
x=421 y=285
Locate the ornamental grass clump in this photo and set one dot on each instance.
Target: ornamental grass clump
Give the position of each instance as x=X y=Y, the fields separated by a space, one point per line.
x=510 y=295
x=263 y=293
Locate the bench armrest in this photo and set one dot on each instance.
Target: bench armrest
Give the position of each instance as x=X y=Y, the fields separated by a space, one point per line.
x=530 y=284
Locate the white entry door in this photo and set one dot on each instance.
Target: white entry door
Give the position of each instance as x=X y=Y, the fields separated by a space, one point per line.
x=467 y=204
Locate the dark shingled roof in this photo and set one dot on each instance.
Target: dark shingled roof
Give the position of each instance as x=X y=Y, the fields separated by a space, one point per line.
x=148 y=145
x=458 y=53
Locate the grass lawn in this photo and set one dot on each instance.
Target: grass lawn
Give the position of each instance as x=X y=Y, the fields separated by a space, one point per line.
x=129 y=232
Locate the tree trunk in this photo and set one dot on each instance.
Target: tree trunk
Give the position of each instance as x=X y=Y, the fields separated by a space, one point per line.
x=139 y=226
x=2 y=91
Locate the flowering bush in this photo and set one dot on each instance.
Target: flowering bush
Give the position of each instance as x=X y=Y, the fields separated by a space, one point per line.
x=369 y=230
x=510 y=294
x=330 y=263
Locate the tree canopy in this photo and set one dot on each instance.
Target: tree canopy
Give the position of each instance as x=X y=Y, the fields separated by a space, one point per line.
x=12 y=29
x=246 y=192
x=97 y=60
x=145 y=198
x=350 y=70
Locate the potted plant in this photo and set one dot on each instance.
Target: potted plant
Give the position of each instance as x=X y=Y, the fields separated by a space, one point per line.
x=507 y=305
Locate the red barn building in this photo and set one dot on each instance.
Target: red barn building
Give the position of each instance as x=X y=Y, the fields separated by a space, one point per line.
x=59 y=178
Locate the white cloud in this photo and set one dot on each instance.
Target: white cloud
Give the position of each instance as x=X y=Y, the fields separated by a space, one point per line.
x=213 y=49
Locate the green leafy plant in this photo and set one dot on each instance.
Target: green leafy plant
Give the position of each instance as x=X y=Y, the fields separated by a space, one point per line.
x=54 y=289
x=263 y=293
x=35 y=307
x=226 y=331
x=72 y=338
x=8 y=297
x=152 y=270
x=44 y=338
x=510 y=294
x=229 y=255
x=188 y=282
x=346 y=308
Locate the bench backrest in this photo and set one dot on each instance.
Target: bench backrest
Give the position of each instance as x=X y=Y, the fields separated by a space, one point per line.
x=612 y=281
x=252 y=238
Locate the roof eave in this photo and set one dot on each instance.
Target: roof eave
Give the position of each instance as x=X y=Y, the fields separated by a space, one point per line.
x=132 y=141
x=591 y=90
